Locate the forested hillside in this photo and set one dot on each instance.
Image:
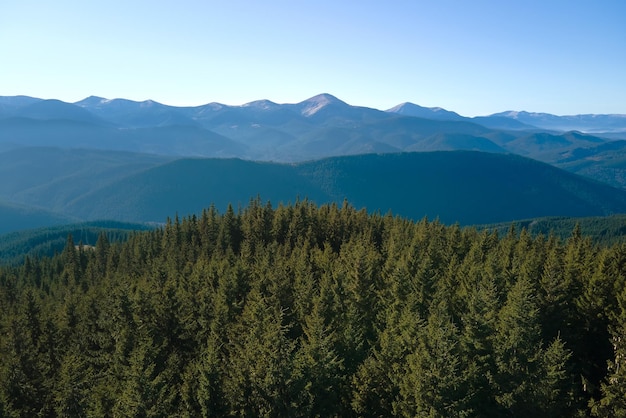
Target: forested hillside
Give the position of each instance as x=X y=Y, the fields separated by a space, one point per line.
x=15 y=217
x=454 y=186
x=316 y=311
x=605 y=230
x=48 y=241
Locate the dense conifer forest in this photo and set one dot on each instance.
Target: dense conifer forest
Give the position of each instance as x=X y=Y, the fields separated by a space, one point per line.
x=48 y=241
x=305 y=310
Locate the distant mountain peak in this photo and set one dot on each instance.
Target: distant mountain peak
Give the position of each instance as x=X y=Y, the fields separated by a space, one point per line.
x=516 y=114
x=262 y=104
x=149 y=103
x=326 y=97
x=316 y=103
x=91 y=101
x=411 y=109
x=215 y=106
x=404 y=106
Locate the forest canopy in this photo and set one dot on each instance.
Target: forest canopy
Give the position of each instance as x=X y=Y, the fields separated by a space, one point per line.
x=305 y=310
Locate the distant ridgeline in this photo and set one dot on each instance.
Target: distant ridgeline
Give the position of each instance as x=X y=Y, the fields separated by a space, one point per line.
x=305 y=310
x=319 y=127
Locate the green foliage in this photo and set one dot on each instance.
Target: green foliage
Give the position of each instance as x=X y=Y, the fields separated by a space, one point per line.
x=302 y=310
x=46 y=242
x=605 y=230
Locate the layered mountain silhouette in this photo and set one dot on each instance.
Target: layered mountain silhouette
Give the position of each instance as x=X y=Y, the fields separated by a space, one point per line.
x=128 y=160
x=318 y=127
x=586 y=123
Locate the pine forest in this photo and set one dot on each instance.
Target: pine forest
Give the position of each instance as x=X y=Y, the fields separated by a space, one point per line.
x=301 y=310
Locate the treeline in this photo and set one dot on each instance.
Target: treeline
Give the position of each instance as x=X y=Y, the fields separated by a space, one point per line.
x=604 y=230
x=303 y=310
x=48 y=241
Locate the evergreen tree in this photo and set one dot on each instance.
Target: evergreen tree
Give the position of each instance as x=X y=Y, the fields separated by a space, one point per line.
x=613 y=400
x=434 y=384
x=479 y=327
x=259 y=378
x=319 y=369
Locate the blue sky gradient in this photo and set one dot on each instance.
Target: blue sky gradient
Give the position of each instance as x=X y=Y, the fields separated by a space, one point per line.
x=473 y=57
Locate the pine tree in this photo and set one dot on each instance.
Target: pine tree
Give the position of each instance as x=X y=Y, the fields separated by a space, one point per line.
x=376 y=385
x=434 y=384
x=258 y=379
x=319 y=369
x=479 y=326
x=613 y=400
x=71 y=393
x=26 y=370
x=71 y=263
x=518 y=349
x=613 y=387
x=553 y=392
x=210 y=395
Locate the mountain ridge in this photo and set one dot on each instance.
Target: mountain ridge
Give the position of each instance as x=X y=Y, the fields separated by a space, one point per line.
x=319 y=127
x=400 y=108
x=456 y=186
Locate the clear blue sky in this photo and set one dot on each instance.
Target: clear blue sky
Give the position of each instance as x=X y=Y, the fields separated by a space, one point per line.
x=473 y=57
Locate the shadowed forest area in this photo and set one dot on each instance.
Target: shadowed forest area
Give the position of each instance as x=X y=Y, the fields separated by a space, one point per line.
x=306 y=310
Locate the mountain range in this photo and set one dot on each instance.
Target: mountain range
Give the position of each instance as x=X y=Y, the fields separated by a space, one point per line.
x=143 y=161
x=320 y=126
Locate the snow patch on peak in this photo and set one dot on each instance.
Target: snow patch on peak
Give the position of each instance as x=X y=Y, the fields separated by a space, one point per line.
x=261 y=104
x=513 y=114
x=213 y=106
x=148 y=103
x=313 y=108
x=400 y=107
x=92 y=101
x=315 y=104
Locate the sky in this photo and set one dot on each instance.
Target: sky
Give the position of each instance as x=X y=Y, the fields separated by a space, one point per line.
x=474 y=57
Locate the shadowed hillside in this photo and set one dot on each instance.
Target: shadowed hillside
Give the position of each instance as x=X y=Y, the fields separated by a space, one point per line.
x=17 y=217
x=466 y=187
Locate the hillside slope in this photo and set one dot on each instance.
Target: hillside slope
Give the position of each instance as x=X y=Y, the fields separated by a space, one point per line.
x=15 y=217
x=463 y=186
x=53 y=177
x=459 y=186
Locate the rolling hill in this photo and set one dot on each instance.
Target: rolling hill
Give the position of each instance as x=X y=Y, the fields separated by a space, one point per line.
x=605 y=162
x=54 y=177
x=462 y=186
x=16 y=217
x=457 y=186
